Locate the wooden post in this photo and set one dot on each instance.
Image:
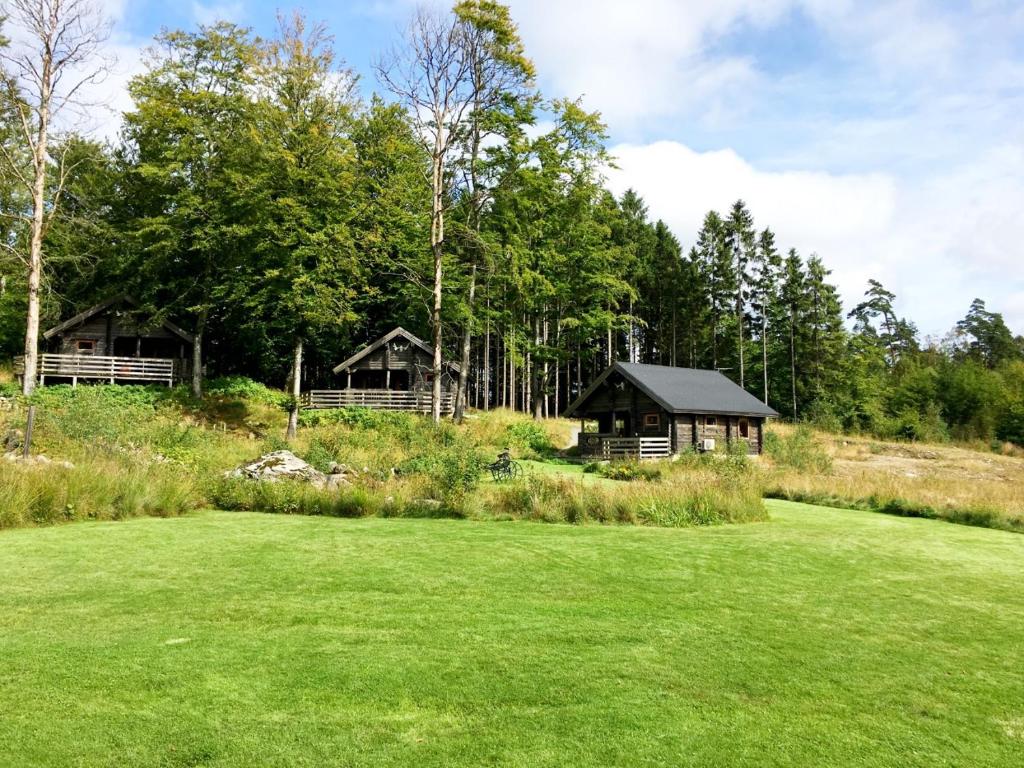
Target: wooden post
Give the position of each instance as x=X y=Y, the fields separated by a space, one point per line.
x=29 y=425
x=349 y=384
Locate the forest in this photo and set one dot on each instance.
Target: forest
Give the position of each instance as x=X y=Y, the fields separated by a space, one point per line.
x=259 y=194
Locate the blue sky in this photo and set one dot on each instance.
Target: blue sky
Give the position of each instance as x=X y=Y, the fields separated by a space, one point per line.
x=886 y=136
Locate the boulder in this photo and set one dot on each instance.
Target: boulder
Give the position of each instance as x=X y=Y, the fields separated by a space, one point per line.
x=280 y=465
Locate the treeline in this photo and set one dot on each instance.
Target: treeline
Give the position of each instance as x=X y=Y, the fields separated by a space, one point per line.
x=258 y=198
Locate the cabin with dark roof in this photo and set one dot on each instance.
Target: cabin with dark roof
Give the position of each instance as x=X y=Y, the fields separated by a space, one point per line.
x=648 y=411
x=114 y=341
x=394 y=372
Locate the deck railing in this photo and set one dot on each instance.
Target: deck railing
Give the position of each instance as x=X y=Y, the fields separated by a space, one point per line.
x=613 y=447
x=375 y=398
x=107 y=368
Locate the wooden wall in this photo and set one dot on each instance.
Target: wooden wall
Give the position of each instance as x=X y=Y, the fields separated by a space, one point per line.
x=104 y=329
x=402 y=356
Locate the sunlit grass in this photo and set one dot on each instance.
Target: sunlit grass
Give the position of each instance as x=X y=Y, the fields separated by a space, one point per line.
x=823 y=638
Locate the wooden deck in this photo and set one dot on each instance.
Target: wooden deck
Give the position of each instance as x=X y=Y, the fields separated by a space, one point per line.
x=375 y=398
x=107 y=368
x=595 y=445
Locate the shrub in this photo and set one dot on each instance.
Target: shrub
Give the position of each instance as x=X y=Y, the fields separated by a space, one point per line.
x=243 y=388
x=798 y=450
x=529 y=437
x=628 y=470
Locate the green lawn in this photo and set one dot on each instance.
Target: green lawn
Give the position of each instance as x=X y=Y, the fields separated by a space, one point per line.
x=822 y=638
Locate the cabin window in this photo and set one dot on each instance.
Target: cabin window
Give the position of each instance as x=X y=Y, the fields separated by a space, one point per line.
x=744 y=428
x=620 y=427
x=652 y=420
x=711 y=421
x=85 y=346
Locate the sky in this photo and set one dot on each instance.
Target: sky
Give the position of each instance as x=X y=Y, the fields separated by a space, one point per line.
x=887 y=137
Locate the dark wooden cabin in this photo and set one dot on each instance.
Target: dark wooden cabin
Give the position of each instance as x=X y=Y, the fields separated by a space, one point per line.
x=395 y=372
x=113 y=341
x=658 y=410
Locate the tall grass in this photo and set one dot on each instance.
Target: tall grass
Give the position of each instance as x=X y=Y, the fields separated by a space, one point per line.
x=43 y=494
x=699 y=498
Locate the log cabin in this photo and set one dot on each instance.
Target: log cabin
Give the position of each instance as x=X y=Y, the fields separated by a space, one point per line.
x=650 y=411
x=115 y=342
x=393 y=372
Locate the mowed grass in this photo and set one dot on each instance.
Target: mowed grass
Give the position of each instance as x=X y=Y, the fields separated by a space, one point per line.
x=823 y=638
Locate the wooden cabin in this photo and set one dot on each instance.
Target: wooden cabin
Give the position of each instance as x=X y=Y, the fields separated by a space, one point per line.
x=114 y=342
x=648 y=411
x=393 y=372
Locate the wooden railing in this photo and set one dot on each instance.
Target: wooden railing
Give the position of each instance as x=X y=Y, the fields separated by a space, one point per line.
x=612 y=447
x=106 y=368
x=375 y=398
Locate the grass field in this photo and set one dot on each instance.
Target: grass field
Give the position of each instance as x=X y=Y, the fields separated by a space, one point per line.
x=822 y=638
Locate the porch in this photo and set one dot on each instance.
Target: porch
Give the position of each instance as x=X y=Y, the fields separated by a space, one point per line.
x=385 y=399
x=107 y=368
x=609 y=446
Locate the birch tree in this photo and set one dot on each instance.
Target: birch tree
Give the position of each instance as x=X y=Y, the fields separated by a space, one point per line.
x=57 y=54
x=432 y=76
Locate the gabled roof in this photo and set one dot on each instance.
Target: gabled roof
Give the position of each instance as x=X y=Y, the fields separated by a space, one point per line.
x=124 y=298
x=683 y=390
x=371 y=348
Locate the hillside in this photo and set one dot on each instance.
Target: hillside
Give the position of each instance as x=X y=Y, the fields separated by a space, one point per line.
x=156 y=451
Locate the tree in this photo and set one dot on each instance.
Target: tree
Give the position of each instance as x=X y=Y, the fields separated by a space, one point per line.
x=42 y=78
x=432 y=76
x=304 y=268
x=794 y=303
x=988 y=338
x=897 y=336
x=187 y=155
x=765 y=267
x=742 y=241
x=501 y=78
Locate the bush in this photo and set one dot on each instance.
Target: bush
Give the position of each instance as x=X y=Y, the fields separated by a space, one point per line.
x=798 y=450
x=453 y=471
x=243 y=388
x=627 y=470
x=529 y=437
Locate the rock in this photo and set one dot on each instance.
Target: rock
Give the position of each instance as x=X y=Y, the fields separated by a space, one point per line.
x=337 y=469
x=13 y=440
x=335 y=480
x=280 y=465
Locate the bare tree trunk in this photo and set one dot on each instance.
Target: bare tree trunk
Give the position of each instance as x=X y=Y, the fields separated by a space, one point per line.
x=510 y=354
x=197 y=354
x=436 y=247
x=296 y=382
x=764 y=354
x=539 y=372
x=739 y=325
x=467 y=338
x=792 y=359
x=487 y=356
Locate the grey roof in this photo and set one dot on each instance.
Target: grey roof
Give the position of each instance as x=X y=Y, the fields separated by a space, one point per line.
x=384 y=340
x=683 y=390
x=123 y=298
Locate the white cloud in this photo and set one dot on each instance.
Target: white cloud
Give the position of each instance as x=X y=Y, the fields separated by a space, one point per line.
x=937 y=245
x=211 y=13
x=641 y=59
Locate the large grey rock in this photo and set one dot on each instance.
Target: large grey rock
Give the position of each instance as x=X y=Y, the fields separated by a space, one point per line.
x=285 y=465
x=279 y=465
